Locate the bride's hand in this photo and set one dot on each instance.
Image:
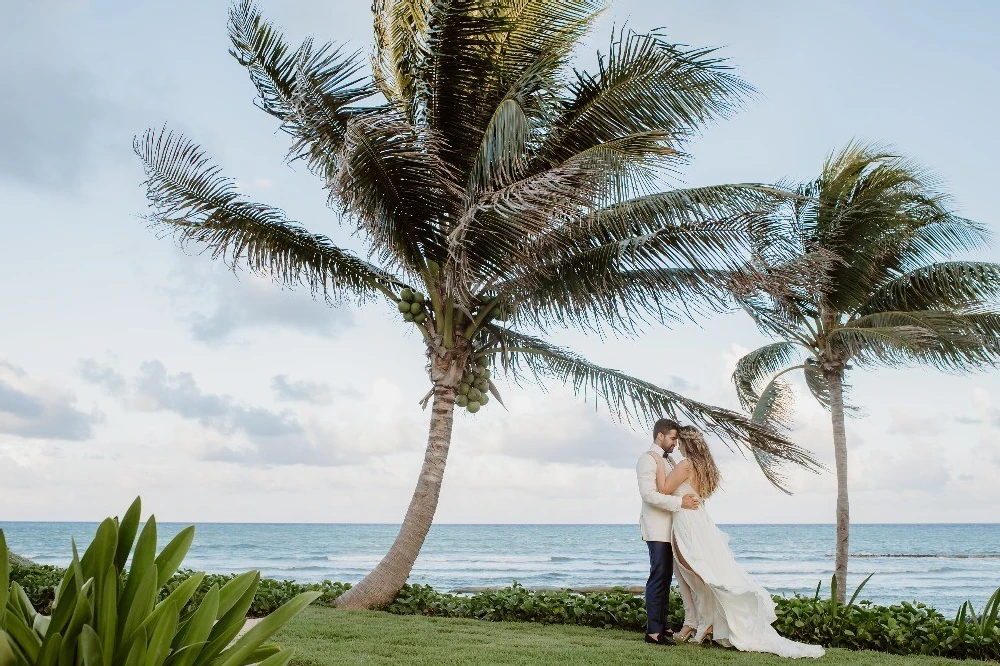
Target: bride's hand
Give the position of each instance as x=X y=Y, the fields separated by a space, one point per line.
x=690 y=502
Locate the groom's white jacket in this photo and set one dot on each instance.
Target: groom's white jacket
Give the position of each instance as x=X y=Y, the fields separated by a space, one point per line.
x=657 y=516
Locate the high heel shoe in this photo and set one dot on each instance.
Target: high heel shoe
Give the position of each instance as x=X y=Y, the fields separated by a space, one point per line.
x=704 y=638
x=684 y=635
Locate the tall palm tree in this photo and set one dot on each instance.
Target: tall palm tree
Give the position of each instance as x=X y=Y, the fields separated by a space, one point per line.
x=499 y=193
x=891 y=295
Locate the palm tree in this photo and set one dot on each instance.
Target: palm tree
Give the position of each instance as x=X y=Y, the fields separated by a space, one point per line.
x=499 y=193
x=889 y=295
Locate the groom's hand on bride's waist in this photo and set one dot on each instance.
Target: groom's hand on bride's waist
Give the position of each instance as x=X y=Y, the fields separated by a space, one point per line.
x=690 y=502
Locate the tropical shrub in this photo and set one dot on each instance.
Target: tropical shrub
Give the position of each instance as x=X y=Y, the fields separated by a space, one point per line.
x=103 y=616
x=904 y=628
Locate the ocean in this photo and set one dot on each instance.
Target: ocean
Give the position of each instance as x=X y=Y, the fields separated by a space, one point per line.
x=941 y=565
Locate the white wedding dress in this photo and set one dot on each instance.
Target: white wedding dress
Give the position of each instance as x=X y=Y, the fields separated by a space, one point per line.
x=738 y=609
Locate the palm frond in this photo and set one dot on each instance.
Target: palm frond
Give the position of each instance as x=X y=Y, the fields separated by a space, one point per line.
x=938 y=286
x=895 y=338
x=643 y=83
x=602 y=295
x=627 y=397
x=774 y=406
x=958 y=340
x=755 y=370
x=818 y=384
x=401 y=28
x=539 y=39
x=393 y=182
x=460 y=77
x=310 y=90
x=192 y=199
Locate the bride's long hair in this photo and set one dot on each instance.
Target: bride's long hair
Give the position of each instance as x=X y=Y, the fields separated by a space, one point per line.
x=695 y=449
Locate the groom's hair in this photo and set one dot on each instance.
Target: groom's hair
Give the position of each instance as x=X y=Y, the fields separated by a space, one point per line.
x=665 y=426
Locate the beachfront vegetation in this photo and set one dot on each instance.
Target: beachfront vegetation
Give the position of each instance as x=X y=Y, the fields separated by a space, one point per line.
x=328 y=637
x=100 y=614
x=904 y=628
x=500 y=193
x=884 y=290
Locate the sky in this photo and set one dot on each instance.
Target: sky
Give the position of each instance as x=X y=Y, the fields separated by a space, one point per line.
x=129 y=366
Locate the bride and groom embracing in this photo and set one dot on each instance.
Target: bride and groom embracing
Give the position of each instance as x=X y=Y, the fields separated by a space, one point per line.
x=722 y=602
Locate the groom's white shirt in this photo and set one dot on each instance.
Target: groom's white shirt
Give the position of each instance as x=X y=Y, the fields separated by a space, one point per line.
x=657 y=515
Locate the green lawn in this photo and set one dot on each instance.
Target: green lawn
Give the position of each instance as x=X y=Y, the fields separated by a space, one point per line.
x=322 y=637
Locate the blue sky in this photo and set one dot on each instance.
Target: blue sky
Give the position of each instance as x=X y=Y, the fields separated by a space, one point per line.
x=128 y=366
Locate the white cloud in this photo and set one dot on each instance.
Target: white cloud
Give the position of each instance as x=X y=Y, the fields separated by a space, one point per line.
x=39 y=409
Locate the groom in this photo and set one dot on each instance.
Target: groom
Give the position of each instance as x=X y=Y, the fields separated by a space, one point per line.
x=655 y=523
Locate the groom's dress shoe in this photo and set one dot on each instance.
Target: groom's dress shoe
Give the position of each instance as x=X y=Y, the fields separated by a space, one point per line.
x=659 y=640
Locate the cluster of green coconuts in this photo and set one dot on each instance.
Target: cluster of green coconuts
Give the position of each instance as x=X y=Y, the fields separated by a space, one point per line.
x=412 y=305
x=475 y=387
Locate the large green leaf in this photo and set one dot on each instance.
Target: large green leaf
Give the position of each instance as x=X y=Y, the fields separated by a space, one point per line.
x=4 y=576
x=230 y=624
x=82 y=614
x=106 y=612
x=236 y=590
x=172 y=555
x=260 y=632
x=143 y=566
x=278 y=659
x=21 y=634
x=142 y=605
x=49 y=653
x=161 y=636
x=192 y=638
x=127 y=530
x=8 y=657
x=136 y=654
x=91 y=648
x=101 y=551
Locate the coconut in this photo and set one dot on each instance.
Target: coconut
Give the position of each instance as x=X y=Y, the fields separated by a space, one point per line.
x=407 y=316
x=462 y=400
x=481 y=384
x=416 y=307
x=475 y=394
x=418 y=297
x=482 y=362
x=407 y=294
x=468 y=377
x=420 y=317
x=463 y=388
x=486 y=373
x=474 y=406
x=483 y=399
x=403 y=306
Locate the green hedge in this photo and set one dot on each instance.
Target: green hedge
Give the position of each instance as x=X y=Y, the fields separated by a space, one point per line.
x=899 y=629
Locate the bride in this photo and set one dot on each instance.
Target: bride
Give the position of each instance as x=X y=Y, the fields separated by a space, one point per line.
x=732 y=608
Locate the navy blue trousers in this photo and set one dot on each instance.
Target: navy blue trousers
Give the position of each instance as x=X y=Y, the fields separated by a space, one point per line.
x=661 y=570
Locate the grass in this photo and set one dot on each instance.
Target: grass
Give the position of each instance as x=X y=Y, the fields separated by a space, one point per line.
x=328 y=637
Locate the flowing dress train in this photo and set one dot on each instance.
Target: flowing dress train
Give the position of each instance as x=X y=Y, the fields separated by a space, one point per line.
x=728 y=600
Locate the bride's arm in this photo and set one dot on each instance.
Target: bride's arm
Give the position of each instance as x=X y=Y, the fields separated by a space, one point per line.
x=668 y=483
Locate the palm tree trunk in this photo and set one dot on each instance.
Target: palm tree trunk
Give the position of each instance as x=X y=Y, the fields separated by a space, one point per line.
x=835 y=379
x=381 y=585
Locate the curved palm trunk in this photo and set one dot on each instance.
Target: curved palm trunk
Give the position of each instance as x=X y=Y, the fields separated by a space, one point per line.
x=381 y=585
x=836 y=382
